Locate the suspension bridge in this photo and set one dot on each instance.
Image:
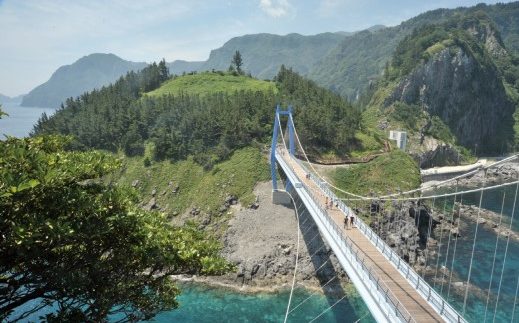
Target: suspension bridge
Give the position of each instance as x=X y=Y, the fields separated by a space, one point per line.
x=392 y=290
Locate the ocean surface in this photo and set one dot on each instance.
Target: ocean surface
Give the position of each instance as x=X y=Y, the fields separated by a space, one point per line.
x=500 y=273
x=20 y=120
x=200 y=303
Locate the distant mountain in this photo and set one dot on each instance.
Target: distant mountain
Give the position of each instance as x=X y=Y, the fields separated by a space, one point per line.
x=179 y=66
x=263 y=54
x=360 y=58
x=88 y=73
x=7 y=99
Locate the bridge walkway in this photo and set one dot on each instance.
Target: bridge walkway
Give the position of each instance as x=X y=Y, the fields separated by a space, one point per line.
x=415 y=304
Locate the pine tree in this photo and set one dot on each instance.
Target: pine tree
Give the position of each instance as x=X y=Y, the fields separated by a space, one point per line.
x=237 y=62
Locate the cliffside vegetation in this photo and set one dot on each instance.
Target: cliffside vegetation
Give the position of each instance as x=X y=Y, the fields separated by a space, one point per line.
x=359 y=59
x=387 y=172
x=454 y=82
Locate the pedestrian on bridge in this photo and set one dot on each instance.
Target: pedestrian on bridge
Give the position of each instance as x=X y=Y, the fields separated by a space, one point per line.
x=352 y=220
x=326 y=204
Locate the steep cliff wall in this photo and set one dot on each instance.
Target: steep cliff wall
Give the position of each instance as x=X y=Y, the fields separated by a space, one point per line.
x=467 y=95
x=455 y=83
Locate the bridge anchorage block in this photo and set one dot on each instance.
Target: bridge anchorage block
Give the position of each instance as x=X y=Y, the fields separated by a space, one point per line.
x=281 y=198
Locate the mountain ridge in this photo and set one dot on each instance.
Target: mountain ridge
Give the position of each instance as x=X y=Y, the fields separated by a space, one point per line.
x=87 y=73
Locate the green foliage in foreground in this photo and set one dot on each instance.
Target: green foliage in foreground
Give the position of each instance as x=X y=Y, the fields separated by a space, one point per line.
x=385 y=173
x=196 y=186
x=72 y=241
x=211 y=82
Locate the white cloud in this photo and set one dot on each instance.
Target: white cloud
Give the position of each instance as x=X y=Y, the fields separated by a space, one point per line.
x=275 y=8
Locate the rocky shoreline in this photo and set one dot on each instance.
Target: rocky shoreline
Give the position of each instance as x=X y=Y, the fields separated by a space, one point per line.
x=415 y=233
x=503 y=173
x=261 y=241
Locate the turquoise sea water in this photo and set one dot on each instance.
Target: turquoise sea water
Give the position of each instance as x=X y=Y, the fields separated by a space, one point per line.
x=205 y=304
x=208 y=304
x=505 y=273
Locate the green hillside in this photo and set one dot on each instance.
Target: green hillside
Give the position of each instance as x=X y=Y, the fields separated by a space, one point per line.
x=183 y=185
x=209 y=82
x=429 y=86
x=388 y=171
x=352 y=66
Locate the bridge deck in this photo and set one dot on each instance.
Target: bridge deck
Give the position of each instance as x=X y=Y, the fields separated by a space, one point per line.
x=415 y=304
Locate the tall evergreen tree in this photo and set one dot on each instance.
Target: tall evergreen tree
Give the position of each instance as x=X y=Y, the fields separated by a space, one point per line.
x=237 y=62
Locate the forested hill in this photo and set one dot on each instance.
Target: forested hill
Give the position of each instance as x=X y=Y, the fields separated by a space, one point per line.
x=359 y=59
x=455 y=82
x=208 y=126
x=87 y=73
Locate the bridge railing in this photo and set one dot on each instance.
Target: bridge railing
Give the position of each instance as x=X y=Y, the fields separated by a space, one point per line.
x=431 y=295
x=358 y=258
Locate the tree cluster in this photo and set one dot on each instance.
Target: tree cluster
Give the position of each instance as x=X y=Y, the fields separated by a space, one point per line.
x=83 y=247
x=208 y=127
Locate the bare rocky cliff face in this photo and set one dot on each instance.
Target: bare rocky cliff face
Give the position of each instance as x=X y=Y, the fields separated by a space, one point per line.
x=465 y=93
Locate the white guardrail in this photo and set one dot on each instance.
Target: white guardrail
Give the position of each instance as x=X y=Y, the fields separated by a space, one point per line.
x=357 y=258
x=430 y=294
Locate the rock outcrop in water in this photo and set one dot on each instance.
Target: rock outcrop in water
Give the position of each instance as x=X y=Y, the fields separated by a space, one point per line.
x=405 y=226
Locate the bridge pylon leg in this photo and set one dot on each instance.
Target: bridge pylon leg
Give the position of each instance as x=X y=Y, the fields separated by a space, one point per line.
x=273 y=150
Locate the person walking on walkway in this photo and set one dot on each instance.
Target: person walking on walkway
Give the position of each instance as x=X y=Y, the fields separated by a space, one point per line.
x=326 y=203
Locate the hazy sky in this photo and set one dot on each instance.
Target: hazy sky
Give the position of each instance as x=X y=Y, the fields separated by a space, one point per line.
x=38 y=36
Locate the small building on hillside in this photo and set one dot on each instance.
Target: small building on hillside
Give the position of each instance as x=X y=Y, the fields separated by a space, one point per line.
x=400 y=137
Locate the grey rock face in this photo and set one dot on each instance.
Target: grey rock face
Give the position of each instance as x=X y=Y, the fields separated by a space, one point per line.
x=467 y=95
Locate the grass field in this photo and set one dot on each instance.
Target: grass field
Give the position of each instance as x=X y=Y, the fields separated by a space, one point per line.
x=209 y=82
x=385 y=173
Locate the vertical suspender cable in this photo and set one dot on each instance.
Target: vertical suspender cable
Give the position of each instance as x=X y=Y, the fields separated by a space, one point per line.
x=515 y=299
x=297 y=258
x=495 y=255
x=455 y=246
x=473 y=247
x=428 y=237
x=506 y=252
x=448 y=242
x=439 y=245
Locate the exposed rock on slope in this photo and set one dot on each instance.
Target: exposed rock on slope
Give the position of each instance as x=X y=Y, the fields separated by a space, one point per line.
x=262 y=243
x=468 y=97
x=449 y=82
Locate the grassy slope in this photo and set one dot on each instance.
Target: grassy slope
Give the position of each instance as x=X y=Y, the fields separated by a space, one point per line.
x=208 y=82
x=197 y=188
x=386 y=172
